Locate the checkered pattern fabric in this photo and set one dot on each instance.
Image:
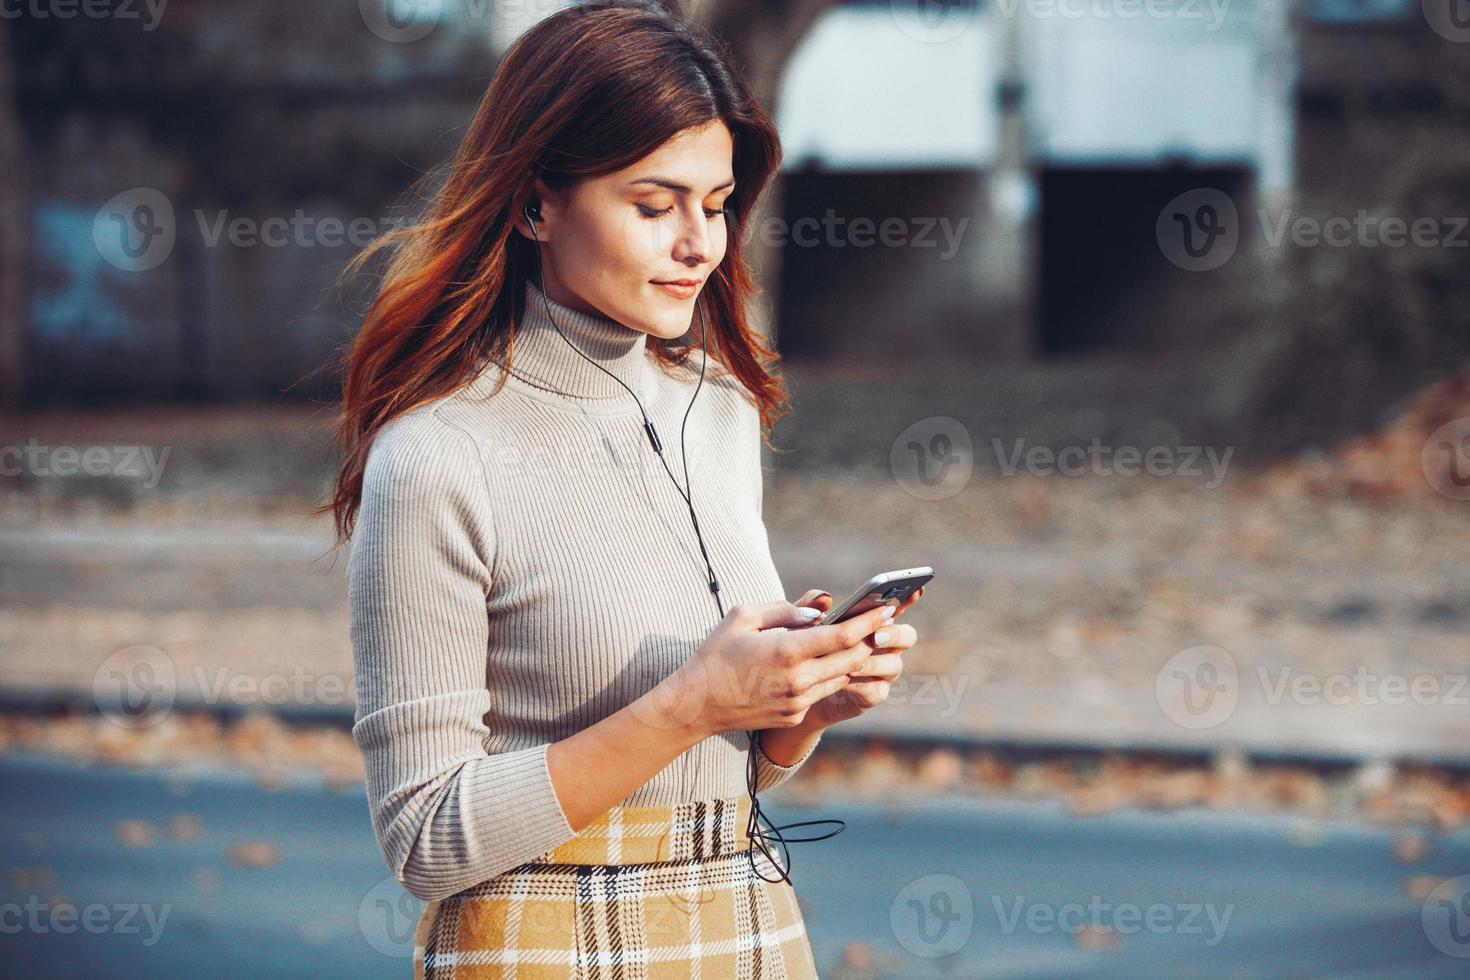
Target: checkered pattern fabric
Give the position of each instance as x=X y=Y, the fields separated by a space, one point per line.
x=642 y=893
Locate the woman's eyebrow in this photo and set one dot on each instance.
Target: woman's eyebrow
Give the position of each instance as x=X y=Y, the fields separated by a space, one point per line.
x=675 y=186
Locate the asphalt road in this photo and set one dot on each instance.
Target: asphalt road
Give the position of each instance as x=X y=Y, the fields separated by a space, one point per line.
x=943 y=888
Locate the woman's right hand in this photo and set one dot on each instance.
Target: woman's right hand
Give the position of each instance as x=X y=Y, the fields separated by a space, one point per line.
x=750 y=674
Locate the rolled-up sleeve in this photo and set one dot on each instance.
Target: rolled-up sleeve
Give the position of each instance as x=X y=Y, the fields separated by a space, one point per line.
x=770 y=774
x=447 y=814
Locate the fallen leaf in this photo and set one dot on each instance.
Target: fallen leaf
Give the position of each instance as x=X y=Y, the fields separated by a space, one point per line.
x=253 y=854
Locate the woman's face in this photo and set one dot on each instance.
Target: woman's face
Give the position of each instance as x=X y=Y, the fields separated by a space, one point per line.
x=607 y=242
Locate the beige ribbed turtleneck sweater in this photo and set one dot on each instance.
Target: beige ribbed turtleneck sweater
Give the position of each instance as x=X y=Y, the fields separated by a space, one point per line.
x=523 y=567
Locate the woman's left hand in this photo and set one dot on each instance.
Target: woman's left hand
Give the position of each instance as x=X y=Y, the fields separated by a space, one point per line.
x=872 y=679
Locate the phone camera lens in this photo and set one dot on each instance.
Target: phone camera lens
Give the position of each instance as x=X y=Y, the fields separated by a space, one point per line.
x=895 y=590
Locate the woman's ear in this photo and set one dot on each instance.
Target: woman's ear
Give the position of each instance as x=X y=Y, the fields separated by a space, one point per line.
x=528 y=220
x=531 y=220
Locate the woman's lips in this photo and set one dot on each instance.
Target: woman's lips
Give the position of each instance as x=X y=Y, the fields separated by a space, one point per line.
x=679 y=290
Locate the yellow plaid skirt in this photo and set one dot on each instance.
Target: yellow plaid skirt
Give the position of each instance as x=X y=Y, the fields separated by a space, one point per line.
x=641 y=893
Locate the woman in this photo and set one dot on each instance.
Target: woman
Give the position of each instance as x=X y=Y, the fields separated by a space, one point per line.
x=555 y=718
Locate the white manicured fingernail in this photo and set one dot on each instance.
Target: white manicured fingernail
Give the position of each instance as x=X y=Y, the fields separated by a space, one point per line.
x=887 y=613
x=807 y=612
x=882 y=637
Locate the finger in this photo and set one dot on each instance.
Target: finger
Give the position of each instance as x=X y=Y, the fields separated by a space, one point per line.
x=817 y=599
x=840 y=663
x=827 y=688
x=867 y=624
x=912 y=598
x=887 y=656
x=863 y=695
x=768 y=615
x=829 y=638
x=894 y=636
x=878 y=666
x=868 y=693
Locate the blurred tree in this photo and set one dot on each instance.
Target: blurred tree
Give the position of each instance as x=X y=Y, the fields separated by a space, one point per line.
x=1335 y=340
x=14 y=228
x=761 y=36
x=255 y=102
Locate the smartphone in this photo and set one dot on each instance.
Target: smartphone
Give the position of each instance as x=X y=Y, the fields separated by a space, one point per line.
x=886 y=589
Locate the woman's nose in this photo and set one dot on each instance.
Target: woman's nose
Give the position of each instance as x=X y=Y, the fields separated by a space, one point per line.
x=693 y=245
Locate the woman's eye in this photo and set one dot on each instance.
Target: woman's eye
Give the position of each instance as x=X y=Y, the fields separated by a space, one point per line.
x=649 y=212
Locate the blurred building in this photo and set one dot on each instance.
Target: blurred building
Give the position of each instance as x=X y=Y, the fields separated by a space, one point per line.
x=194 y=186
x=1059 y=129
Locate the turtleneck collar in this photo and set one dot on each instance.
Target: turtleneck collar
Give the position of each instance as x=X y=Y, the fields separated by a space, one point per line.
x=541 y=357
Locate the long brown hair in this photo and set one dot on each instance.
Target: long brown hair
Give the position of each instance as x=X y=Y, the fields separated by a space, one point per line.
x=586 y=91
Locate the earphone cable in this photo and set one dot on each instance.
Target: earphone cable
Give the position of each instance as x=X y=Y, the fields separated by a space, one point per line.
x=758 y=837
